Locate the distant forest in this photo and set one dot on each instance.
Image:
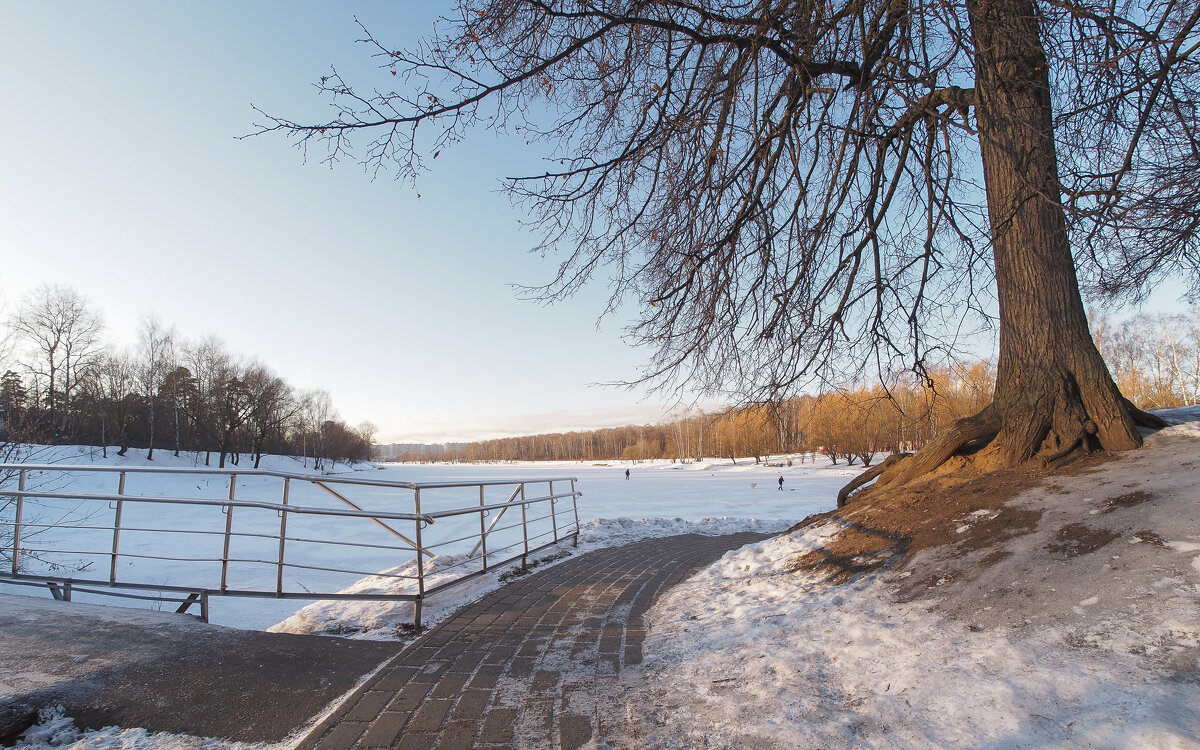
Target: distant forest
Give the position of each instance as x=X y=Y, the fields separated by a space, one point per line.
x=1155 y=360
x=63 y=384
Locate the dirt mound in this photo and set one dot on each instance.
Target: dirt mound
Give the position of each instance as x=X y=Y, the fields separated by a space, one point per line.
x=1107 y=549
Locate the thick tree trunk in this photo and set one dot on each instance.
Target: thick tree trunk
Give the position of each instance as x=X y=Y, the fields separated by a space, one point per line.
x=1053 y=389
x=1054 y=394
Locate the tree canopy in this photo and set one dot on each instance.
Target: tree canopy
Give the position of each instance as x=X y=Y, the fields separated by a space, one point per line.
x=791 y=187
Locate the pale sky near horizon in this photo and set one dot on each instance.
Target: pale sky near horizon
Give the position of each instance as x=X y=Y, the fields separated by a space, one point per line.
x=123 y=178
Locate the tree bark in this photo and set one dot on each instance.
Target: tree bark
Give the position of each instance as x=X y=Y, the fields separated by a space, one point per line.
x=1052 y=386
x=1054 y=394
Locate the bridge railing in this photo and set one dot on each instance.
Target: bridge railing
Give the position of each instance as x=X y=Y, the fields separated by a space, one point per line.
x=183 y=535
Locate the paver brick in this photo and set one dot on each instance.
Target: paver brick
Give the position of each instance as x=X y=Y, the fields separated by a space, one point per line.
x=574 y=731
x=500 y=654
x=521 y=667
x=394 y=678
x=409 y=697
x=544 y=681
x=449 y=687
x=385 y=729
x=414 y=741
x=342 y=735
x=458 y=734
x=471 y=705
x=369 y=705
x=429 y=716
x=487 y=676
x=498 y=726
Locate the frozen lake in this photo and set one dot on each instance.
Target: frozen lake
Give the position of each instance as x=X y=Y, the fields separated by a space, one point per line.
x=716 y=488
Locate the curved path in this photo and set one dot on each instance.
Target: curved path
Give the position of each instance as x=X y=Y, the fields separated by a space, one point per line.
x=530 y=663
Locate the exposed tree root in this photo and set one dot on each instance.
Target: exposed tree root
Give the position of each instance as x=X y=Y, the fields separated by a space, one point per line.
x=868 y=475
x=968 y=431
x=1019 y=441
x=1082 y=440
x=1144 y=418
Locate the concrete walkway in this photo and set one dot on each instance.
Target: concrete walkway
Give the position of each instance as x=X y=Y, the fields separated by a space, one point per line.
x=535 y=663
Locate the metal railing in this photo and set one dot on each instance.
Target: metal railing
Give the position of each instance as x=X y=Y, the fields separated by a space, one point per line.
x=189 y=534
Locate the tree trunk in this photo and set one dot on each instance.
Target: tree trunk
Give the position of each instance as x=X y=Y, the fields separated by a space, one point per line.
x=176 y=408
x=1054 y=394
x=150 y=453
x=1053 y=389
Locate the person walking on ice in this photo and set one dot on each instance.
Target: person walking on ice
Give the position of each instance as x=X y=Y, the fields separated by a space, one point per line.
x=781 y=483
x=627 y=473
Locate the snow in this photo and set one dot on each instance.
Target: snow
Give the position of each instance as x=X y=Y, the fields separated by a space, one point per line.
x=1096 y=650
x=55 y=730
x=747 y=653
x=657 y=494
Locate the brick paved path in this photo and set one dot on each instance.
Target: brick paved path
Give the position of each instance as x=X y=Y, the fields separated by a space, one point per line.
x=529 y=664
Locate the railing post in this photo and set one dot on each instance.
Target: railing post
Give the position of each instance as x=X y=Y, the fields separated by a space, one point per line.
x=420 y=561
x=16 y=550
x=482 y=530
x=228 y=533
x=553 y=512
x=524 y=526
x=112 y=571
x=282 y=538
x=575 y=505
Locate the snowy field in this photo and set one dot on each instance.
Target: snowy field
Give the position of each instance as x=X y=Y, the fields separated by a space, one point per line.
x=659 y=498
x=1098 y=649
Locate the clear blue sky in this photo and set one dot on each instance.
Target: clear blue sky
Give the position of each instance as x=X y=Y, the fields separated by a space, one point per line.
x=121 y=175
x=123 y=178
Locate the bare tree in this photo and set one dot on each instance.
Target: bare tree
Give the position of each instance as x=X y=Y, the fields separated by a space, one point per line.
x=316 y=409
x=112 y=391
x=272 y=405
x=61 y=334
x=221 y=403
x=791 y=188
x=155 y=354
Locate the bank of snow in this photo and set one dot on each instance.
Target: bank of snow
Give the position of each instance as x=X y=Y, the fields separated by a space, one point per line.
x=1044 y=648
x=57 y=731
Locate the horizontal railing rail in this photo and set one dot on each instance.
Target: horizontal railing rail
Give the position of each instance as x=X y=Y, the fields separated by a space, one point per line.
x=58 y=529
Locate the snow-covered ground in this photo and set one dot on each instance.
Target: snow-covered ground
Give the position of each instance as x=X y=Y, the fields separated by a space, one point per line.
x=657 y=499
x=1097 y=648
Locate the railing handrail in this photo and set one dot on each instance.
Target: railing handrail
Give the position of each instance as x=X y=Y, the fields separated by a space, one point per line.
x=108 y=497
x=250 y=472
x=526 y=542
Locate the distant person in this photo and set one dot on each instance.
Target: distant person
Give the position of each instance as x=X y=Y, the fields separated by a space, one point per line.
x=781 y=483
x=627 y=473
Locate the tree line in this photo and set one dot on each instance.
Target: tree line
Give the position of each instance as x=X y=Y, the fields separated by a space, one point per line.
x=1155 y=359
x=851 y=425
x=62 y=383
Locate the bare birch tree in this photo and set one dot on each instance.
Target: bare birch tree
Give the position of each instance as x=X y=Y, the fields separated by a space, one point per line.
x=61 y=335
